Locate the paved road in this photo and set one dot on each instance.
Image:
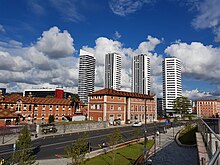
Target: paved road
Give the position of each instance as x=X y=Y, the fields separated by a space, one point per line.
x=48 y=147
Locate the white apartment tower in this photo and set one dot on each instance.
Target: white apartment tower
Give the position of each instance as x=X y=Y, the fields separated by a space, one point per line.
x=113 y=71
x=86 y=75
x=141 y=74
x=172 y=87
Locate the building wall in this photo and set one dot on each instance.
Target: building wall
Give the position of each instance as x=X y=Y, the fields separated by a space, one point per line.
x=208 y=108
x=86 y=75
x=113 y=71
x=108 y=108
x=141 y=74
x=172 y=87
x=40 y=113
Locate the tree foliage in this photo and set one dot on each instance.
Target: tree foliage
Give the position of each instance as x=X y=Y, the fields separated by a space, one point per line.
x=51 y=119
x=78 y=150
x=24 y=154
x=181 y=105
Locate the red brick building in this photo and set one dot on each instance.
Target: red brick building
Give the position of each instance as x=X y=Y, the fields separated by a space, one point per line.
x=208 y=108
x=109 y=104
x=38 y=110
x=7 y=117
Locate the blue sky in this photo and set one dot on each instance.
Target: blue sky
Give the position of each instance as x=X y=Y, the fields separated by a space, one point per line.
x=40 y=40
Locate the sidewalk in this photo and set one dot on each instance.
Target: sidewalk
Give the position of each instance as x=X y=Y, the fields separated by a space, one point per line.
x=161 y=141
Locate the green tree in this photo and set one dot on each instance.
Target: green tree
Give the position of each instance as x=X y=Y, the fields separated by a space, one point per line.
x=51 y=119
x=181 y=105
x=114 y=139
x=78 y=150
x=24 y=154
x=75 y=97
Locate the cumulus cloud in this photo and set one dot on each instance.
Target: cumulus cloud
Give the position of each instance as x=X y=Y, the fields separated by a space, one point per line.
x=208 y=16
x=125 y=7
x=55 y=44
x=49 y=61
x=195 y=94
x=198 y=61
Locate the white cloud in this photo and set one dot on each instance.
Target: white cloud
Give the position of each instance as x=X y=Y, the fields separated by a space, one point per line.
x=33 y=66
x=125 y=7
x=68 y=9
x=117 y=35
x=195 y=94
x=55 y=44
x=2 y=29
x=208 y=16
x=149 y=45
x=198 y=61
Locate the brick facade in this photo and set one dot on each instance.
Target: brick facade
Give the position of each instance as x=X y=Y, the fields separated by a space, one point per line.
x=208 y=108
x=38 y=110
x=109 y=104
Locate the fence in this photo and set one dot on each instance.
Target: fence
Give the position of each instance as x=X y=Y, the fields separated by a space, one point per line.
x=211 y=140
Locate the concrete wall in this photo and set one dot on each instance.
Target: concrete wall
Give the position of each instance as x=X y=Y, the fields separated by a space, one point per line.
x=67 y=128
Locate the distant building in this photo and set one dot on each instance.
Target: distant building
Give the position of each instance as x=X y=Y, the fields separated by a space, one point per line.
x=160 y=111
x=37 y=110
x=7 y=117
x=86 y=75
x=141 y=74
x=108 y=105
x=3 y=91
x=208 y=108
x=113 y=71
x=59 y=93
x=172 y=87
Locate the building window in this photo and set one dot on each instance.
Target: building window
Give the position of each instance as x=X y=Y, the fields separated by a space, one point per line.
x=25 y=107
x=99 y=118
x=119 y=98
x=43 y=108
x=118 y=116
x=100 y=97
x=91 y=118
x=111 y=107
x=119 y=107
x=112 y=97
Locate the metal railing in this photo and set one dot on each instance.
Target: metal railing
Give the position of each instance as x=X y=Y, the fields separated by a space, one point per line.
x=212 y=142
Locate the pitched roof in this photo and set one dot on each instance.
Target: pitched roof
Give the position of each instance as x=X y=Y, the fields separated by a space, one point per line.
x=13 y=98
x=7 y=113
x=112 y=92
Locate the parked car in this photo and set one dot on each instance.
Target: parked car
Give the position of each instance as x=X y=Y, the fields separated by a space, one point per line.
x=49 y=128
x=137 y=124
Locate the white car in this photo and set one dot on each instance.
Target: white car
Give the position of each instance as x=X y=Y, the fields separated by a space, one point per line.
x=137 y=124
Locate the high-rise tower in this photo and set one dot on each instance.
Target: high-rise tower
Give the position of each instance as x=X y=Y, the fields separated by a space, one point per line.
x=172 y=87
x=113 y=71
x=86 y=75
x=141 y=74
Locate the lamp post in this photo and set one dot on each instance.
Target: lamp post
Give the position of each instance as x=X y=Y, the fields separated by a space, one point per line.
x=145 y=133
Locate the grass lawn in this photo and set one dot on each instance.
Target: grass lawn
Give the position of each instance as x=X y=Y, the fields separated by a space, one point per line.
x=124 y=156
x=188 y=136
